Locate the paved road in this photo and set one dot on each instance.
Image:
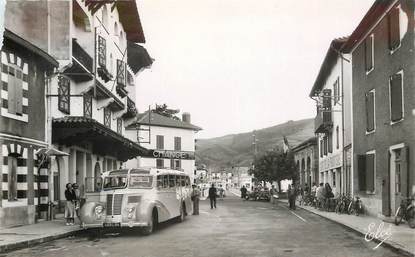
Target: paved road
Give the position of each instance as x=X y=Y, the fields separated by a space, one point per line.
x=237 y=228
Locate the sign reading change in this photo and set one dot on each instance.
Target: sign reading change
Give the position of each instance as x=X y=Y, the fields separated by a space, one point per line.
x=168 y=154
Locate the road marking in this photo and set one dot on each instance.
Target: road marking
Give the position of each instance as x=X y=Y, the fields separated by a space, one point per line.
x=298 y=216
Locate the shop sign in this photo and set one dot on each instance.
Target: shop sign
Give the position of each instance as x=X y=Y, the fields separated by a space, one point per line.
x=169 y=154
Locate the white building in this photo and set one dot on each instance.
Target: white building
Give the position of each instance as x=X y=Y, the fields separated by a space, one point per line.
x=328 y=91
x=171 y=142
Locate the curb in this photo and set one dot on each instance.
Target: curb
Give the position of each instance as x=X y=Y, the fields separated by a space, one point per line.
x=390 y=244
x=32 y=242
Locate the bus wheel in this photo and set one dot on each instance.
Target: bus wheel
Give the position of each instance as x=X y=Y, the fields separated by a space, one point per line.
x=152 y=225
x=182 y=213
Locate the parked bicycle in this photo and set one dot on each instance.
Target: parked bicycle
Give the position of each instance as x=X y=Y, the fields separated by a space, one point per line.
x=355 y=206
x=342 y=203
x=406 y=211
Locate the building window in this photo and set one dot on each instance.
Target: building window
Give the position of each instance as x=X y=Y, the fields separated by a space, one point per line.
x=321 y=148
x=394 y=31
x=119 y=126
x=177 y=164
x=159 y=163
x=177 y=143
x=12 y=177
x=396 y=97
x=107 y=117
x=160 y=142
x=369 y=53
x=102 y=52
x=370 y=111
x=87 y=105
x=366 y=172
x=120 y=73
x=398 y=165
x=336 y=91
x=337 y=137
x=325 y=144
x=14 y=89
x=330 y=142
x=64 y=98
x=334 y=178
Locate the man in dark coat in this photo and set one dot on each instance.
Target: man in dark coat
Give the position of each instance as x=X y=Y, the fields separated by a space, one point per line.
x=243 y=192
x=212 y=196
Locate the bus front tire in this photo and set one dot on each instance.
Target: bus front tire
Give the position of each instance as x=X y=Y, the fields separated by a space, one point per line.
x=152 y=225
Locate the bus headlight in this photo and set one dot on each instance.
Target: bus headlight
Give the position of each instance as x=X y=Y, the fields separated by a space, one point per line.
x=98 y=210
x=131 y=210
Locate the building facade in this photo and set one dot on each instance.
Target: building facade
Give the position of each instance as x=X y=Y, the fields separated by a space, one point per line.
x=382 y=49
x=24 y=72
x=327 y=91
x=306 y=157
x=91 y=97
x=171 y=142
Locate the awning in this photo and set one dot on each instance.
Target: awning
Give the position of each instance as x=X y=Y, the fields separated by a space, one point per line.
x=138 y=57
x=81 y=131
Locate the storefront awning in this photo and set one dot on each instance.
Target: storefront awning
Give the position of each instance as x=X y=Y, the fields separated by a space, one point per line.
x=82 y=131
x=138 y=57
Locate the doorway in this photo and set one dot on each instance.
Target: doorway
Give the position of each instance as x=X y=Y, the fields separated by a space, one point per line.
x=398 y=176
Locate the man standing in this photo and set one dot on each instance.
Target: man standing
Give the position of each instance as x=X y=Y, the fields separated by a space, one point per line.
x=271 y=194
x=291 y=196
x=195 y=199
x=243 y=192
x=212 y=196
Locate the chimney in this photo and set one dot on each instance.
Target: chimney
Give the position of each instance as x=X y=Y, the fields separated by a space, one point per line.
x=186 y=117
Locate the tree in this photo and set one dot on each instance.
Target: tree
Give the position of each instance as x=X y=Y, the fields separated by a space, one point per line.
x=276 y=166
x=165 y=111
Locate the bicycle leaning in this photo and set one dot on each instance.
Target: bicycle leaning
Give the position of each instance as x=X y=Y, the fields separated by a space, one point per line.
x=406 y=211
x=343 y=203
x=355 y=206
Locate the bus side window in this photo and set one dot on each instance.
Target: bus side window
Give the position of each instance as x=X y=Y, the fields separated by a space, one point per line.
x=187 y=181
x=165 y=181
x=159 y=182
x=183 y=180
x=172 y=180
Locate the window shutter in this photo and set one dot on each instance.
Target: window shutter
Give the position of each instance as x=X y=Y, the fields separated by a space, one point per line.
x=368 y=53
x=361 y=169
x=120 y=72
x=172 y=163
x=396 y=97
x=370 y=172
x=177 y=143
x=327 y=105
x=102 y=52
x=370 y=111
x=160 y=142
x=394 y=33
x=330 y=142
x=11 y=92
x=321 y=148
x=19 y=95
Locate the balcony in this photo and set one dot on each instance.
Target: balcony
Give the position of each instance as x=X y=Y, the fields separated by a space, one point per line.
x=81 y=69
x=323 y=122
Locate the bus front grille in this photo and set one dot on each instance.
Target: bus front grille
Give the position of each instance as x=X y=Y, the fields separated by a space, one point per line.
x=117 y=204
x=109 y=204
x=114 y=204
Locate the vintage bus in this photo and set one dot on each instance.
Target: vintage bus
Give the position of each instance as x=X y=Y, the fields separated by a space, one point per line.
x=141 y=197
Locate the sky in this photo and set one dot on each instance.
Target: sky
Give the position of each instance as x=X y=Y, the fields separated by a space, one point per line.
x=239 y=65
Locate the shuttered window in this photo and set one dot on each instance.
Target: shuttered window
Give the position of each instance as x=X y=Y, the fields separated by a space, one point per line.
x=325 y=145
x=15 y=90
x=361 y=170
x=327 y=105
x=396 y=104
x=321 y=148
x=393 y=25
x=160 y=142
x=178 y=164
x=64 y=91
x=160 y=163
x=370 y=111
x=336 y=91
x=120 y=73
x=107 y=117
x=337 y=137
x=370 y=172
x=330 y=142
x=119 y=126
x=177 y=143
x=369 y=53
x=87 y=105
x=102 y=52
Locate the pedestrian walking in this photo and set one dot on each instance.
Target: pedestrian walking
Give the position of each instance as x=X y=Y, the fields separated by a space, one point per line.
x=195 y=198
x=291 y=196
x=212 y=196
x=70 y=197
x=272 y=191
x=243 y=192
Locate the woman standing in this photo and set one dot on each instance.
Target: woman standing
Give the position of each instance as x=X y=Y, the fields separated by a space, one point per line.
x=70 y=204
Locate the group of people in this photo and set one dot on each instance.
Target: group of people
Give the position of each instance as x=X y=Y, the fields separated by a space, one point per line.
x=73 y=200
x=322 y=193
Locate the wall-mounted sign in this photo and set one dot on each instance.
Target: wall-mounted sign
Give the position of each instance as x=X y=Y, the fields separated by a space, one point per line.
x=169 y=154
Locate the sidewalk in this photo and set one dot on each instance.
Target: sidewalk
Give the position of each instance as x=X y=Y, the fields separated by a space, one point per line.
x=29 y=235
x=402 y=236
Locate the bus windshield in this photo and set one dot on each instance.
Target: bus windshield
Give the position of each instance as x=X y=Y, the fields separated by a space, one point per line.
x=115 y=182
x=141 y=182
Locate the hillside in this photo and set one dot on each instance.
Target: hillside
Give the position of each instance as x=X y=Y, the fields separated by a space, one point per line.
x=237 y=149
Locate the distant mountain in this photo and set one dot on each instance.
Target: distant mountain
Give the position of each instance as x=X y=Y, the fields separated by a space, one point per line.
x=237 y=149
